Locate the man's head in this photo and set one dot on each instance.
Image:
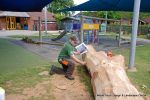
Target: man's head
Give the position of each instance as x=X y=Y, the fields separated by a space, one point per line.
x=73 y=40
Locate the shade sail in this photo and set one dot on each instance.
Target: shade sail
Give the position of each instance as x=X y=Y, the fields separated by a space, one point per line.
x=110 y=5
x=23 y=5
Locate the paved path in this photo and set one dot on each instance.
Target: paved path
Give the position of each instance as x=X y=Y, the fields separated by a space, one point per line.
x=138 y=39
x=16 y=32
x=49 y=52
x=4 y=33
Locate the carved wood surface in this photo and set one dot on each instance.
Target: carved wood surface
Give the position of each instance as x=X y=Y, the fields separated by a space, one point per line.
x=108 y=77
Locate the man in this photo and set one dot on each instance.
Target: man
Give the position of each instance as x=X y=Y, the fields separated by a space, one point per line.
x=67 y=57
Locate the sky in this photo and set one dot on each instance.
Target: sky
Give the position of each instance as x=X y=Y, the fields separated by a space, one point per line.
x=77 y=2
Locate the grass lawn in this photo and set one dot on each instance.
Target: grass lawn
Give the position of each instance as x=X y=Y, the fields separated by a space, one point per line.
x=141 y=78
x=19 y=70
x=19 y=67
x=85 y=78
x=14 y=57
x=138 y=36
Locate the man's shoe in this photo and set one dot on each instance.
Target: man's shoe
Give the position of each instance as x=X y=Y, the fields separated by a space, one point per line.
x=51 y=71
x=69 y=77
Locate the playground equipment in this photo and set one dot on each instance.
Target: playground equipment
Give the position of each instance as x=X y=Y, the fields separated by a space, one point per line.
x=75 y=25
x=87 y=29
x=69 y=25
x=59 y=36
x=91 y=26
x=93 y=33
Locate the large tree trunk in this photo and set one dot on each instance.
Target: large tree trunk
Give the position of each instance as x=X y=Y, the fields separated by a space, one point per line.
x=109 y=79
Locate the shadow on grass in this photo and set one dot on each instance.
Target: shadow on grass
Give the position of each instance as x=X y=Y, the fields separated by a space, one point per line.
x=86 y=79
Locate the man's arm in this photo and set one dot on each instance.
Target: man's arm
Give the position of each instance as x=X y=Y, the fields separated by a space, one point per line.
x=77 y=60
x=76 y=52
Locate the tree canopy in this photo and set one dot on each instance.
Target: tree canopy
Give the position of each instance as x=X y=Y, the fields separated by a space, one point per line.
x=115 y=14
x=57 y=5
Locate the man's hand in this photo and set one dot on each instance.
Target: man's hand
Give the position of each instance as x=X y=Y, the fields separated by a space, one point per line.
x=83 y=63
x=78 y=61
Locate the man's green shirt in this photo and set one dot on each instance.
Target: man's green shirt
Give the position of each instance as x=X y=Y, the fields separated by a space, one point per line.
x=66 y=51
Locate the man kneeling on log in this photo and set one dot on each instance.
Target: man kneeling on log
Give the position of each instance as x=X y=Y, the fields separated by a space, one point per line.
x=67 y=57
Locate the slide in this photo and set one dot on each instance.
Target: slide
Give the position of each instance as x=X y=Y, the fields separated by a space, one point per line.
x=59 y=36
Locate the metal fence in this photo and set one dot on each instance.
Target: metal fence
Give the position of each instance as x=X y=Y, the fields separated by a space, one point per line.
x=143 y=29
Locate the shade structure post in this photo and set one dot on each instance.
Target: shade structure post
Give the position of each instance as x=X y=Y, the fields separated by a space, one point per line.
x=134 y=34
x=45 y=14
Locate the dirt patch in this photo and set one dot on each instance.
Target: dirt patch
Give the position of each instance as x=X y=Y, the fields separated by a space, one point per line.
x=64 y=89
x=39 y=90
x=56 y=87
x=14 y=97
x=44 y=73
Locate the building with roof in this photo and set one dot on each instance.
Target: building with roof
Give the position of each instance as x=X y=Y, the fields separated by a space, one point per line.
x=70 y=24
x=26 y=20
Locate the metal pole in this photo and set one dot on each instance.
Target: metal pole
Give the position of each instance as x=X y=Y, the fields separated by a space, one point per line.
x=40 y=35
x=45 y=19
x=134 y=34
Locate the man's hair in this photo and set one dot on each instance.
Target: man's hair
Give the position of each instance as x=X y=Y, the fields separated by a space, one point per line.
x=73 y=38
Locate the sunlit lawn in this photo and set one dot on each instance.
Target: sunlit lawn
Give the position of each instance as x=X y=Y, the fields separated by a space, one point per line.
x=14 y=57
x=19 y=67
x=142 y=77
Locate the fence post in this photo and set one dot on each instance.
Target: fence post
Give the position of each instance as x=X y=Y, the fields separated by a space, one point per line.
x=120 y=33
x=40 y=35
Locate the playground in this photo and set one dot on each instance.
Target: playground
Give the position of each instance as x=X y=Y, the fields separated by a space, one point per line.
x=46 y=54
x=44 y=49
x=115 y=65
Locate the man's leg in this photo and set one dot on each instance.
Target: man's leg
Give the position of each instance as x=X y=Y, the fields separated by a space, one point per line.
x=70 y=69
x=64 y=65
x=64 y=68
x=51 y=71
x=56 y=70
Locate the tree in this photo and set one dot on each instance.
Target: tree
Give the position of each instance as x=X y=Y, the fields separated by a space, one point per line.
x=58 y=18
x=102 y=14
x=115 y=14
x=57 y=5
